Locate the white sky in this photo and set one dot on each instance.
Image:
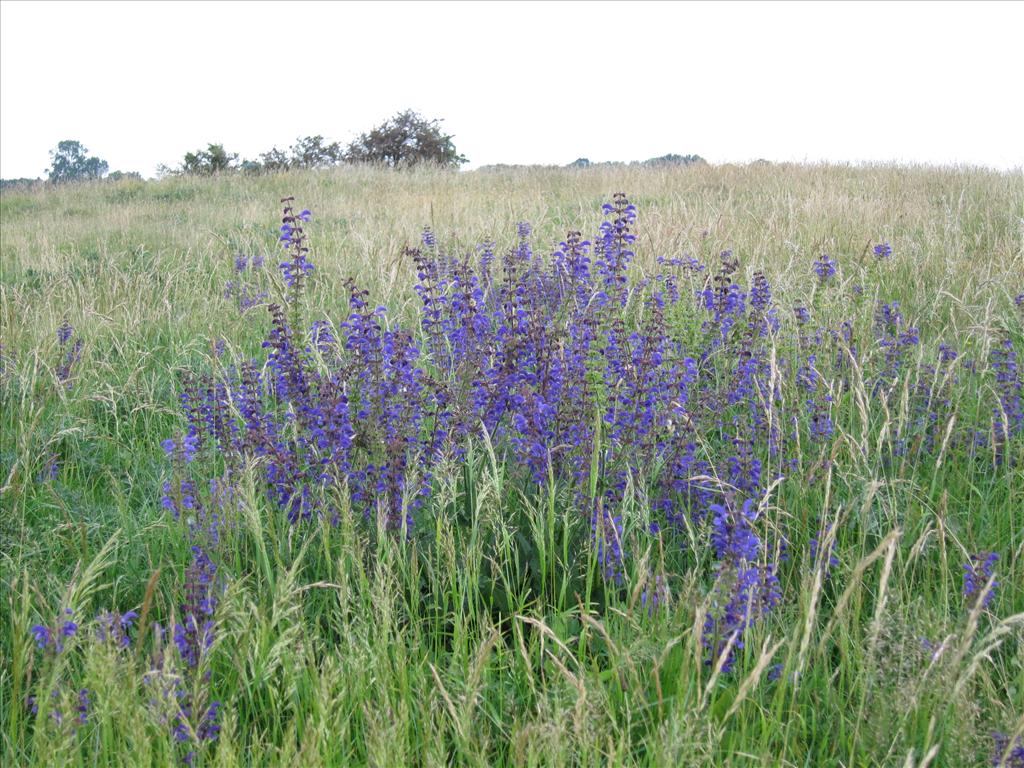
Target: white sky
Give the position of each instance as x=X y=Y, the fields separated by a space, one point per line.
x=142 y=83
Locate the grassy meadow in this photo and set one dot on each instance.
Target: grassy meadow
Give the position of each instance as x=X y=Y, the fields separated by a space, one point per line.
x=503 y=597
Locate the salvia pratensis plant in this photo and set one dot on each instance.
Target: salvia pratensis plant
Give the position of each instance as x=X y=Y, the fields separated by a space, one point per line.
x=547 y=359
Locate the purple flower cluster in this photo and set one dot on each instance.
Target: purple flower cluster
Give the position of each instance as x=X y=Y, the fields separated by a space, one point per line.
x=825 y=560
x=1010 y=387
x=80 y=703
x=187 y=697
x=244 y=288
x=576 y=372
x=824 y=268
x=193 y=634
x=187 y=711
x=293 y=239
x=745 y=590
x=1013 y=750
x=181 y=686
x=115 y=628
x=53 y=638
x=70 y=353
x=977 y=574
x=895 y=338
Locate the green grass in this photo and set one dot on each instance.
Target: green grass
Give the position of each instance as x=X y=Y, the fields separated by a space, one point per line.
x=492 y=642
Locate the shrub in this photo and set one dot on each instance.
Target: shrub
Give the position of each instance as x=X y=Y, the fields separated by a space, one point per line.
x=19 y=184
x=672 y=159
x=125 y=175
x=406 y=139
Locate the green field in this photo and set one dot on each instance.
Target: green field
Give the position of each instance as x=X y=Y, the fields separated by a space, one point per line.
x=488 y=633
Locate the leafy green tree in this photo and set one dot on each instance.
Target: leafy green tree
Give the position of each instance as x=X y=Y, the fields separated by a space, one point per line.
x=274 y=160
x=71 y=162
x=406 y=139
x=312 y=152
x=306 y=152
x=205 y=162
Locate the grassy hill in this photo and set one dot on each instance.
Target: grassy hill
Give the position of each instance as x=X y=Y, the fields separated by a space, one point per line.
x=536 y=604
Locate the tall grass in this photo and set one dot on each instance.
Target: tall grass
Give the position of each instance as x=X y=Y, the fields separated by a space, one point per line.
x=485 y=640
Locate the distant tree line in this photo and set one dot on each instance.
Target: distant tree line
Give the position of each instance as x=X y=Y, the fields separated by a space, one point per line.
x=405 y=140
x=23 y=183
x=582 y=162
x=654 y=162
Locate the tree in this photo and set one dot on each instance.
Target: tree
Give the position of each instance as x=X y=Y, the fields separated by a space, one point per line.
x=205 y=162
x=274 y=160
x=406 y=139
x=311 y=152
x=71 y=162
x=306 y=152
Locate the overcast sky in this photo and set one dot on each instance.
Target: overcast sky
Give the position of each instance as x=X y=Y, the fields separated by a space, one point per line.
x=142 y=83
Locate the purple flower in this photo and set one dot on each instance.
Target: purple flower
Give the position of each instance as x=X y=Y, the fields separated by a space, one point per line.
x=70 y=353
x=194 y=634
x=818 y=559
x=1014 y=751
x=115 y=627
x=655 y=594
x=824 y=268
x=45 y=637
x=741 y=596
x=977 y=573
x=64 y=333
x=883 y=251
x=607 y=536
x=42 y=636
x=1009 y=386
x=293 y=240
x=82 y=708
